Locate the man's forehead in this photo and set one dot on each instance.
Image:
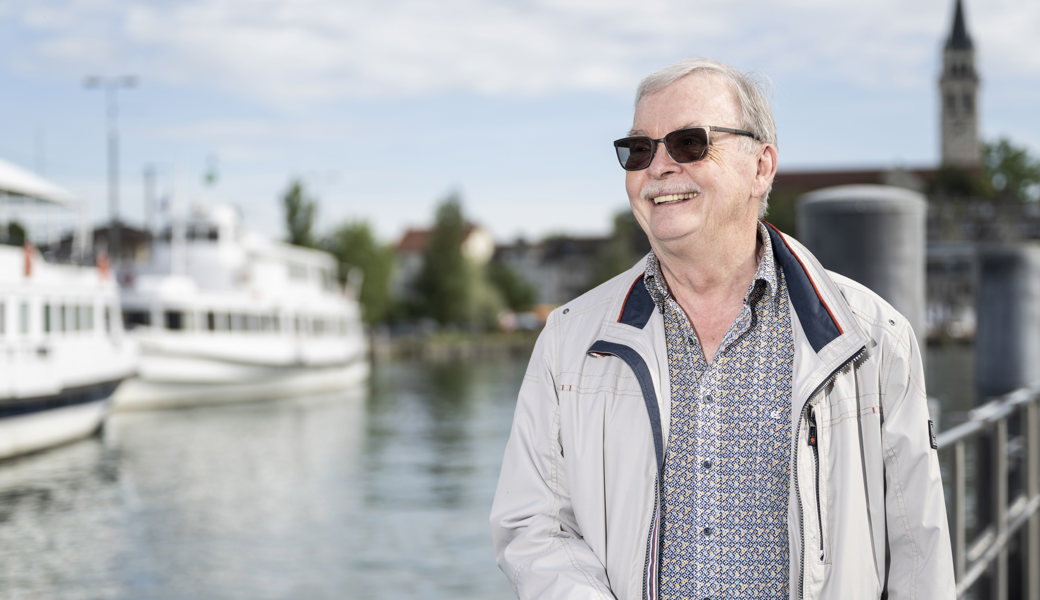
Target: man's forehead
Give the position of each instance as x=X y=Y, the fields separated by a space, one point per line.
x=688 y=97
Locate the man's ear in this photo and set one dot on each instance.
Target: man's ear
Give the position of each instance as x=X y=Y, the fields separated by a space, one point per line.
x=766 y=169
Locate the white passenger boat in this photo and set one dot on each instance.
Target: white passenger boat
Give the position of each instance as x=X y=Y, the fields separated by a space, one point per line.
x=226 y=315
x=62 y=346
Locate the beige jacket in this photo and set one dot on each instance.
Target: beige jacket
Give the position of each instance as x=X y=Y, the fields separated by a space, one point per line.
x=575 y=515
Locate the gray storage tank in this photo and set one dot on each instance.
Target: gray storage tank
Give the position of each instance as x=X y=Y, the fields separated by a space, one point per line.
x=873 y=234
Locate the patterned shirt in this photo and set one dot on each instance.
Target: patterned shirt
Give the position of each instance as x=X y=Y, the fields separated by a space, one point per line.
x=724 y=508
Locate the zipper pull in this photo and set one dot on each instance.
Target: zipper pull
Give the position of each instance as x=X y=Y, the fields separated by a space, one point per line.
x=812 y=427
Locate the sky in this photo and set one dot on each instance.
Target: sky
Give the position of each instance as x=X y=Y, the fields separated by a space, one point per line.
x=383 y=108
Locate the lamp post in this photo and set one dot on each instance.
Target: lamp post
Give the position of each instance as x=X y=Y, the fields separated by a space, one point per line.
x=111 y=85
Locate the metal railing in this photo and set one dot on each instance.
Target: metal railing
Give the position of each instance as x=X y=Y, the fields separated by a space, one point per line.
x=988 y=428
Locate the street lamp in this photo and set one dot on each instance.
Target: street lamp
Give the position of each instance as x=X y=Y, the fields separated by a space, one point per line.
x=111 y=85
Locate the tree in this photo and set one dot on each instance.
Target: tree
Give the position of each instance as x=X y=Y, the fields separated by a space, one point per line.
x=1012 y=172
x=299 y=215
x=357 y=250
x=517 y=293
x=445 y=283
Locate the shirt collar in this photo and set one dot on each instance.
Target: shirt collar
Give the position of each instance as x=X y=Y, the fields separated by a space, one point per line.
x=764 y=285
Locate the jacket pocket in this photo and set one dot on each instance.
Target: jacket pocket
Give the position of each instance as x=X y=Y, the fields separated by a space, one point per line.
x=814 y=444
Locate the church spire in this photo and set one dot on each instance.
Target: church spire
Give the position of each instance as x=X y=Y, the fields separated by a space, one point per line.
x=959 y=38
x=959 y=92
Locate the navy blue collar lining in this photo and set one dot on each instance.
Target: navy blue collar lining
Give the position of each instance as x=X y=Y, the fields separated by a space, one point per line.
x=819 y=324
x=638 y=305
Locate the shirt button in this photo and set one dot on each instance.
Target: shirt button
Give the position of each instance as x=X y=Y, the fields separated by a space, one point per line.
x=707 y=398
x=706 y=464
x=707 y=531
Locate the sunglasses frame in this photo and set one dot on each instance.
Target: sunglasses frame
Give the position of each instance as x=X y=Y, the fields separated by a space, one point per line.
x=707 y=129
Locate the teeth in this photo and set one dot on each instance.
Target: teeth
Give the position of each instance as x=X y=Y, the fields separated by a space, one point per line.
x=674 y=198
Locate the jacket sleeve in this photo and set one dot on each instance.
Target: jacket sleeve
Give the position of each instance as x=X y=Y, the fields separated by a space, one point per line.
x=920 y=561
x=537 y=540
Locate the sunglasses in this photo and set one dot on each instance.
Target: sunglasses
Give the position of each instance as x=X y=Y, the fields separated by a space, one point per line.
x=684 y=146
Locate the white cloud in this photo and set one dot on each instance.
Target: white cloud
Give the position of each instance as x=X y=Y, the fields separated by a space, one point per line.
x=302 y=51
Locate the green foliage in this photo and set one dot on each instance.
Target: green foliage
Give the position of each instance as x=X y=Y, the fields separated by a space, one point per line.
x=445 y=283
x=627 y=244
x=13 y=233
x=357 y=251
x=300 y=212
x=957 y=182
x=1013 y=174
x=783 y=213
x=517 y=293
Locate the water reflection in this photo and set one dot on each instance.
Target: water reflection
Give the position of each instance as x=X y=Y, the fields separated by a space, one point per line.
x=377 y=494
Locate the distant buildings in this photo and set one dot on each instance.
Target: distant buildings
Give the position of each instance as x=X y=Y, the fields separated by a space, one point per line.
x=560 y=268
x=477 y=245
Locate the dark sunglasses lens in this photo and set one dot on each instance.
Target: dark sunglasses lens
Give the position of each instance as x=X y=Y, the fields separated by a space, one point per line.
x=687 y=145
x=634 y=153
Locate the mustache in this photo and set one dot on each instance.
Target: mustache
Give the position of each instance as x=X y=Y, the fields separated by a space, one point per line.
x=654 y=189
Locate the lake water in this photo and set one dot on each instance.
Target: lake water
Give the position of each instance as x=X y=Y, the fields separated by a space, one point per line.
x=382 y=493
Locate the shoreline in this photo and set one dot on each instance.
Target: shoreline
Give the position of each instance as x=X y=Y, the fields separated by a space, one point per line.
x=451 y=345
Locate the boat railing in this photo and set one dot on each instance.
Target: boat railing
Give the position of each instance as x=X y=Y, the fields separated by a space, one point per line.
x=998 y=447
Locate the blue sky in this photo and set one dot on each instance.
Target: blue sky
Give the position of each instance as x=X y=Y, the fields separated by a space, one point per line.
x=384 y=107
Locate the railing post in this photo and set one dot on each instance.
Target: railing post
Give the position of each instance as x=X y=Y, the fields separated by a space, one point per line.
x=1000 y=508
x=959 y=525
x=1031 y=545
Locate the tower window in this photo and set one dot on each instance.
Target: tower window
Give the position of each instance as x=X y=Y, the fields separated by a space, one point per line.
x=969 y=103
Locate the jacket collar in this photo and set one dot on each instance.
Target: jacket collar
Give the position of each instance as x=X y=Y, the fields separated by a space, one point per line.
x=822 y=312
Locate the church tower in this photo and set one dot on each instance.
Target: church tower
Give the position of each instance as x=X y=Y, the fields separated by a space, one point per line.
x=959 y=89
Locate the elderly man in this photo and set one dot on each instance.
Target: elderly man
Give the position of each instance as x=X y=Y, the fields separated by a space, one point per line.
x=726 y=419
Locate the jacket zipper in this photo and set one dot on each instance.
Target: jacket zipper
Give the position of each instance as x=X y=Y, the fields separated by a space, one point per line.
x=806 y=411
x=648 y=569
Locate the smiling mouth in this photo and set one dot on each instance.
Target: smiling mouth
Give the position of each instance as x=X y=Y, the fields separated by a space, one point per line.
x=671 y=198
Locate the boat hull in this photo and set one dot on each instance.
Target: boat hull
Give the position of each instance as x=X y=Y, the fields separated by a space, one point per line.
x=180 y=382
x=36 y=424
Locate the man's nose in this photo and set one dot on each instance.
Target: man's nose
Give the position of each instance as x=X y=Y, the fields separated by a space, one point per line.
x=662 y=163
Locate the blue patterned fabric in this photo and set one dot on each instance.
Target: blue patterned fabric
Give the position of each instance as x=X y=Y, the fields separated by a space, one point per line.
x=724 y=505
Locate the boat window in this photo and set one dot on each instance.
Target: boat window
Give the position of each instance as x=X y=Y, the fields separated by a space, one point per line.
x=133 y=318
x=328 y=280
x=62 y=318
x=253 y=322
x=74 y=324
x=238 y=322
x=174 y=319
x=211 y=321
x=87 y=317
x=46 y=318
